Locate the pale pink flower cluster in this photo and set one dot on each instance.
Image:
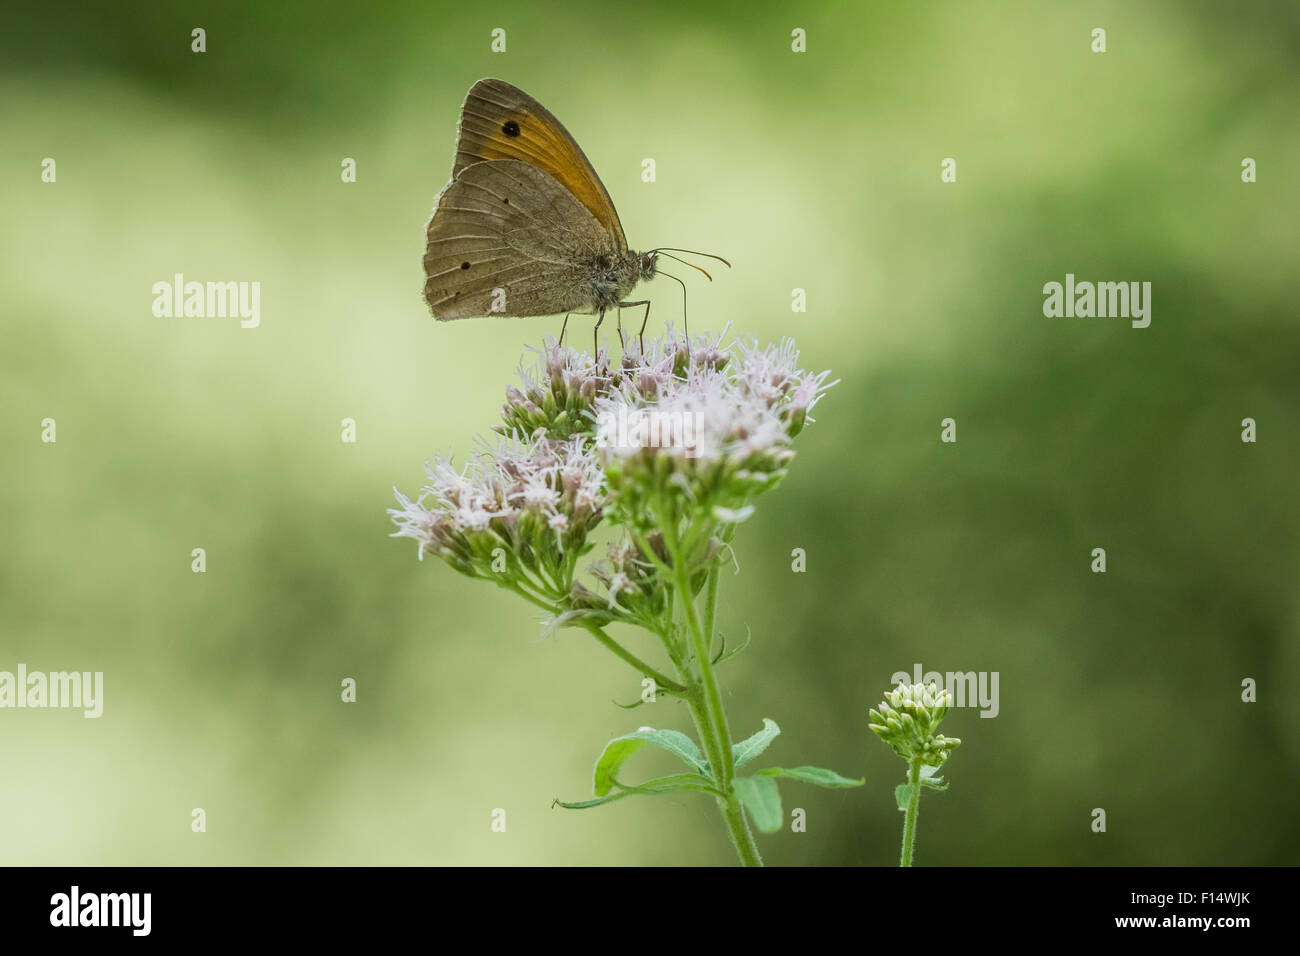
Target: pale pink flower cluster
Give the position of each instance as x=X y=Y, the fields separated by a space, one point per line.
x=505 y=496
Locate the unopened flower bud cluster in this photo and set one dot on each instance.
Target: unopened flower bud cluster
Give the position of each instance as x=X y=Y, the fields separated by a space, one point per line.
x=908 y=718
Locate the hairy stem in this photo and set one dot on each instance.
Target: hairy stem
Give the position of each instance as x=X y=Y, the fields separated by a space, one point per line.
x=711 y=604
x=733 y=815
x=708 y=683
x=707 y=710
x=913 y=811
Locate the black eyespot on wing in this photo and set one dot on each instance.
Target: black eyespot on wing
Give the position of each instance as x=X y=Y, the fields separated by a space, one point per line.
x=510 y=128
x=507 y=200
x=464 y=265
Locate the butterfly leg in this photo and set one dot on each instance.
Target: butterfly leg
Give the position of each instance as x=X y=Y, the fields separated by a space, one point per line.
x=566 y=323
x=619 y=319
x=640 y=336
x=595 y=340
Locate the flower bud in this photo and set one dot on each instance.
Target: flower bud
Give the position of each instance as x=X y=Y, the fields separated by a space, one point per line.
x=908 y=719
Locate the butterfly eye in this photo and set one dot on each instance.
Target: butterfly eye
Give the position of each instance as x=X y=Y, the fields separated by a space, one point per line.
x=605 y=262
x=510 y=128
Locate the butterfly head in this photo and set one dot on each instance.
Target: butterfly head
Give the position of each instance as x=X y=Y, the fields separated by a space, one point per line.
x=647 y=264
x=629 y=269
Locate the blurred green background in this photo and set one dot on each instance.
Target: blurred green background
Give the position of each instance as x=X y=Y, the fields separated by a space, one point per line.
x=817 y=171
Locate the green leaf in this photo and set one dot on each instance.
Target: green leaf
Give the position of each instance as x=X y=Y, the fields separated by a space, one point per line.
x=751 y=747
x=671 y=784
x=587 y=804
x=632 y=706
x=761 y=798
x=815 y=775
x=930 y=778
x=618 y=750
x=903 y=794
x=724 y=654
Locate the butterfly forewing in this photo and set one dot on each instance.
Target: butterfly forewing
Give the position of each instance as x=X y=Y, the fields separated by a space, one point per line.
x=505 y=238
x=500 y=121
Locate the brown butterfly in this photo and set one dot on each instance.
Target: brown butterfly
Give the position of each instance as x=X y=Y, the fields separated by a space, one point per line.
x=525 y=227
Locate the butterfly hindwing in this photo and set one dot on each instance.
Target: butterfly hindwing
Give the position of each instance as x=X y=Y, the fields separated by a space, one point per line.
x=500 y=121
x=506 y=239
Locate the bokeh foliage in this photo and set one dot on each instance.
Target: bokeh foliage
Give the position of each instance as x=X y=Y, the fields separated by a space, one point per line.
x=818 y=171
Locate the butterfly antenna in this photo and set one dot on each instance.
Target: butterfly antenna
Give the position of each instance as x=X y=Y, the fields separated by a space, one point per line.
x=693 y=253
x=685 y=328
x=685 y=263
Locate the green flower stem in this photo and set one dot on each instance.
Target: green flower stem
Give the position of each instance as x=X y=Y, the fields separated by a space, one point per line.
x=537 y=582
x=711 y=603
x=729 y=805
x=702 y=692
x=738 y=828
x=711 y=722
x=662 y=570
x=523 y=592
x=913 y=811
x=704 y=724
x=660 y=679
x=708 y=683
